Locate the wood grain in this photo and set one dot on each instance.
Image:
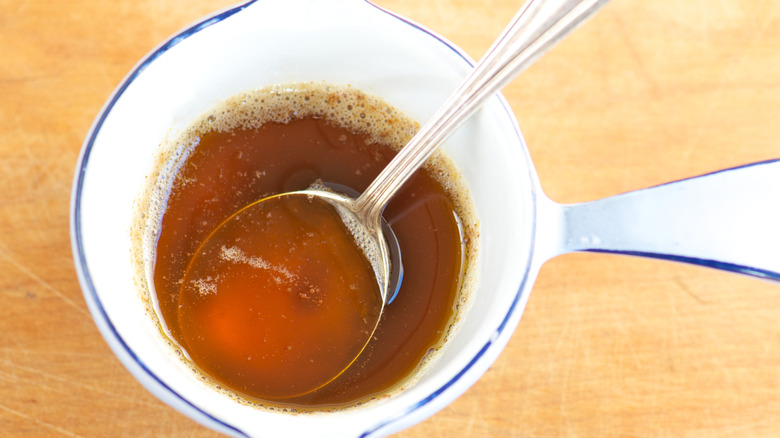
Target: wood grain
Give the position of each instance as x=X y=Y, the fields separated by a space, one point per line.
x=645 y=93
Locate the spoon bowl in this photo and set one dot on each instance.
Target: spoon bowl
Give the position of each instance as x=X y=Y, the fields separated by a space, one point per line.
x=283 y=316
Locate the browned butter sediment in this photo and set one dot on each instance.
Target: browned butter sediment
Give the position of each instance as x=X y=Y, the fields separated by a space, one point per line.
x=237 y=309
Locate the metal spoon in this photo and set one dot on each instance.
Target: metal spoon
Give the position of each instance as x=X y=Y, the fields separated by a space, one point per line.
x=536 y=28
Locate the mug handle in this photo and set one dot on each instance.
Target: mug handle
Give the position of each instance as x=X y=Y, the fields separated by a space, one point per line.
x=727 y=220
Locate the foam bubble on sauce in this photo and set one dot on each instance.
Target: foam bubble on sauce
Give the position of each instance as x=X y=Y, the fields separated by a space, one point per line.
x=205 y=286
x=342 y=105
x=234 y=254
x=366 y=241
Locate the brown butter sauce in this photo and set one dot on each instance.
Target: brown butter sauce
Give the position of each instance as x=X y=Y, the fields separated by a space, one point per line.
x=232 y=168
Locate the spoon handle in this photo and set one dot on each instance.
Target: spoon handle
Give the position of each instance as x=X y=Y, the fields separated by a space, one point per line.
x=536 y=28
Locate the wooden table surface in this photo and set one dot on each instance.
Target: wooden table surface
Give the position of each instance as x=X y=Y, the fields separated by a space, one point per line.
x=647 y=92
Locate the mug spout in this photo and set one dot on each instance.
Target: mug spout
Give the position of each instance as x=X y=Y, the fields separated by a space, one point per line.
x=728 y=220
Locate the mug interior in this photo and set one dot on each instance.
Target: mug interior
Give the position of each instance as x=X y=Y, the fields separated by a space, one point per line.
x=273 y=42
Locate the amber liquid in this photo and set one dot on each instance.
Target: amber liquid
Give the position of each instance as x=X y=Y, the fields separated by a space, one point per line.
x=229 y=170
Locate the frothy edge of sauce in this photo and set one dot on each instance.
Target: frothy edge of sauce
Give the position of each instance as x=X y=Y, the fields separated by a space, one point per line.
x=342 y=105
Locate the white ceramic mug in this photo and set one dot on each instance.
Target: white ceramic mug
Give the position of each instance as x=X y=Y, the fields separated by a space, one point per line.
x=726 y=220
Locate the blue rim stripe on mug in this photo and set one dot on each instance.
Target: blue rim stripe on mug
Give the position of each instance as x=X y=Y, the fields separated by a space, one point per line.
x=85 y=278
x=715 y=264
